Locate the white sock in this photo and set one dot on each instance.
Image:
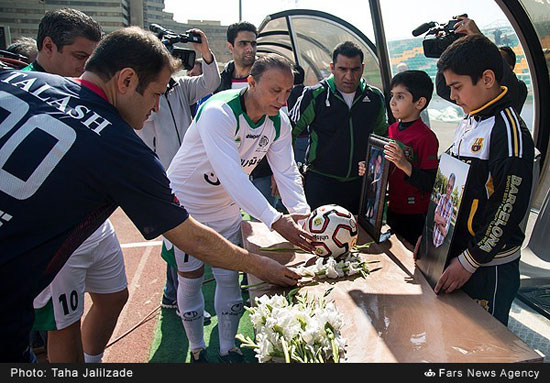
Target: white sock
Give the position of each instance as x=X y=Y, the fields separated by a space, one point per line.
x=93 y=358
x=191 y=306
x=228 y=303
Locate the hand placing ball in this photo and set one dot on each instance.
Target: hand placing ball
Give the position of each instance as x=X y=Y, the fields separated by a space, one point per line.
x=334 y=230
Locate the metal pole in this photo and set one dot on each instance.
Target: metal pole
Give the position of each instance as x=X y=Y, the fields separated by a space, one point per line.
x=240 y=11
x=382 y=50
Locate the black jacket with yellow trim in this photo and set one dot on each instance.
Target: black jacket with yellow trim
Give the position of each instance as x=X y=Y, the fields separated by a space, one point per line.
x=499 y=148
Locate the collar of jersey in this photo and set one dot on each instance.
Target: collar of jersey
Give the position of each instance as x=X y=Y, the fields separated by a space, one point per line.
x=485 y=108
x=332 y=85
x=243 y=108
x=36 y=67
x=90 y=85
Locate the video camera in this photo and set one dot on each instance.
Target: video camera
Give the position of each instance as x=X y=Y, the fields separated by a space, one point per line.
x=169 y=38
x=438 y=36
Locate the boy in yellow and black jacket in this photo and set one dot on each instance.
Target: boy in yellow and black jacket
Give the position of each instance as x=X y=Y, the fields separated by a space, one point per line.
x=494 y=140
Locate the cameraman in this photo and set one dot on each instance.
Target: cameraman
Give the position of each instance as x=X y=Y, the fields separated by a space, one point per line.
x=509 y=79
x=163 y=131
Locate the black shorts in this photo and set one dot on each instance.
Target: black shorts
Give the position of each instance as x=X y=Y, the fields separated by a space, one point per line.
x=495 y=288
x=408 y=226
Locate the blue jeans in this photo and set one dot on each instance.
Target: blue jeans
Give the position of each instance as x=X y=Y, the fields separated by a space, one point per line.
x=263 y=184
x=171 y=286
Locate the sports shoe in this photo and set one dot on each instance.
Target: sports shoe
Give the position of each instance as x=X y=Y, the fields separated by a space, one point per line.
x=233 y=356
x=206 y=316
x=168 y=303
x=199 y=356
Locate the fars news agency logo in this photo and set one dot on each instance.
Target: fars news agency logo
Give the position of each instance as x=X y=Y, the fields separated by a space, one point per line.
x=429 y=373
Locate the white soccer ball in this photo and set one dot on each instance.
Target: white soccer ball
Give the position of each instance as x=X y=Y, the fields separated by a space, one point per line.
x=334 y=230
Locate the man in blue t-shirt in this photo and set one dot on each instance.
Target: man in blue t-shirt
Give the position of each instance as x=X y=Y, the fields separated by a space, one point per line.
x=69 y=157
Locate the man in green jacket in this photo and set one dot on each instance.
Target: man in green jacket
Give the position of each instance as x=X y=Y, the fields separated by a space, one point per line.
x=340 y=113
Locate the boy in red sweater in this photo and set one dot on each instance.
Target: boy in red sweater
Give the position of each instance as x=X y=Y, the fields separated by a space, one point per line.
x=413 y=153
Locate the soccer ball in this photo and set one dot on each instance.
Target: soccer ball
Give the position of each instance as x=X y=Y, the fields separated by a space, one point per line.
x=334 y=230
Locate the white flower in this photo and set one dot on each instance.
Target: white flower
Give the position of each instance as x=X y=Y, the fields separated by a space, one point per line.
x=301 y=326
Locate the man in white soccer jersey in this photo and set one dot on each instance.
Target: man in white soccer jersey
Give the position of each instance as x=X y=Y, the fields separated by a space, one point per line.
x=230 y=135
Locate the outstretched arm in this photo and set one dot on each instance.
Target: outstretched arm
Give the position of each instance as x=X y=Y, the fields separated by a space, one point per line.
x=210 y=247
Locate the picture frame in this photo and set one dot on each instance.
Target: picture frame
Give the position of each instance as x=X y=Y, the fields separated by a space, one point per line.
x=437 y=235
x=374 y=189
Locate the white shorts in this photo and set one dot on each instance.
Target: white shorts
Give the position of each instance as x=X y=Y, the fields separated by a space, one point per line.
x=95 y=269
x=227 y=228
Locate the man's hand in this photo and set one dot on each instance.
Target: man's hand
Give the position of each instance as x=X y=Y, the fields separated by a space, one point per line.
x=395 y=154
x=362 y=168
x=273 y=272
x=438 y=219
x=289 y=230
x=467 y=26
x=417 y=248
x=453 y=278
x=203 y=47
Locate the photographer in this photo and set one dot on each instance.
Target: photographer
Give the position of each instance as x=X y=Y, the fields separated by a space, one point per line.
x=163 y=131
x=467 y=26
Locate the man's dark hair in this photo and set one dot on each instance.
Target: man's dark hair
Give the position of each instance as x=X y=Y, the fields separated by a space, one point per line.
x=64 y=25
x=25 y=46
x=269 y=61
x=348 y=49
x=299 y=74
x=452 y=177
x=135 y=48
x=234 y=29
x=417 y=82
x=509 y=55
x=471 y=56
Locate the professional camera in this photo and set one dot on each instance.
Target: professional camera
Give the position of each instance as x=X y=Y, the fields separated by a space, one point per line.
x=438 y=36
x=169 y=38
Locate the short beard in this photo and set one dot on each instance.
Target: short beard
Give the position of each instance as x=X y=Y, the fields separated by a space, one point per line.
x=247 y=62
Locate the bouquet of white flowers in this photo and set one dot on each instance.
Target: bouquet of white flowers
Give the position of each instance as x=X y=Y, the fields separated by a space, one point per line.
x=348 y=265
x=304 y=331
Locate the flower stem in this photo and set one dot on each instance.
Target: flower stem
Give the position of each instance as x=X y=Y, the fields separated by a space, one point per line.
x=253 y=285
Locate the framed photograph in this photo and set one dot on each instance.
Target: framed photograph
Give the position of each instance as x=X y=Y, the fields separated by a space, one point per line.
x=373 y=192
x=443 y=211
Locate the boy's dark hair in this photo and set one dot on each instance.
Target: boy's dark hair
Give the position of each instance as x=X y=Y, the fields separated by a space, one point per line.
x=348 y=49
x=509 y=55
x=269 y=61
x=299 y=74
x=471 y=56
x=64 y=25
x=135 y=48
x=234 y=29
x=417 y=82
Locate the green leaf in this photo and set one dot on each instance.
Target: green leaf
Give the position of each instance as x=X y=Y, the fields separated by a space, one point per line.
x=328 y=292
x=291 y=294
